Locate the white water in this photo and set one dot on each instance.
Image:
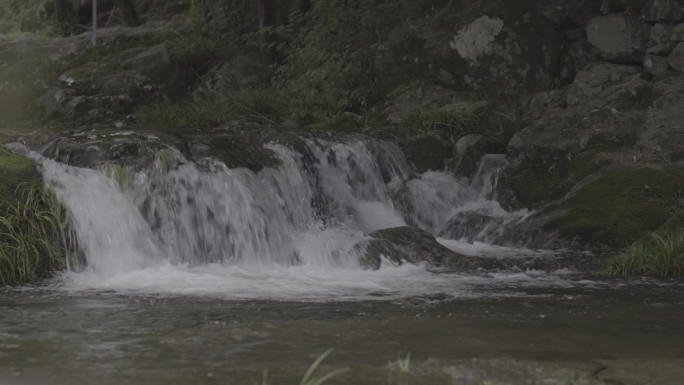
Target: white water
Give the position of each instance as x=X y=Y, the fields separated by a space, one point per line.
x=286 y=232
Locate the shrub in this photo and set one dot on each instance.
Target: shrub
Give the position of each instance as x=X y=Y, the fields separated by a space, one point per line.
x=660 y=255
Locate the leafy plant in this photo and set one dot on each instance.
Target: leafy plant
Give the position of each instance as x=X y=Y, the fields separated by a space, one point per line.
x=660 y=255
x=33 y=238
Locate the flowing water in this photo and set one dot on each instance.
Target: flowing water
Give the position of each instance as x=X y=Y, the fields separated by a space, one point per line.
x=189 y=271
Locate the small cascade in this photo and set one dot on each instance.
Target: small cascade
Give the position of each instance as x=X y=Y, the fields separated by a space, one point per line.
x=480 y=217
x=311 y=209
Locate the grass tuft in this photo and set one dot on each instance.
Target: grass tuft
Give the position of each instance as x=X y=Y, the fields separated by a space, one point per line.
x=309 y=379
x=660 y=255
x=33 y=238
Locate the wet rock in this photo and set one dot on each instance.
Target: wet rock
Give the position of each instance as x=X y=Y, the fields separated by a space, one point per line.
x=619 y=37
x=656 y=65
x=410 y=245
x=663 y=10
x=96 y=148
x=676 y=58
x=426 y=152
x=468 y=152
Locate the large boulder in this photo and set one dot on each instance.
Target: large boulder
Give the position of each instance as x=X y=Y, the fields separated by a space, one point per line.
x=676 y=58
x=496 y=48
x=621 y=38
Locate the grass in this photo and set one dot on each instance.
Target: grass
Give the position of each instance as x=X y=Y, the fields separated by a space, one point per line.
x=403 y=365
x=33 y=239
x=309 y=378
x=456 y=120
x=660 y=255
x=212 y=112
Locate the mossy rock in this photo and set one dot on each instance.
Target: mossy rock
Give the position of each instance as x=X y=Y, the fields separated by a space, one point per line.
x=620 y=206
x=426 y=152
x=15 y=171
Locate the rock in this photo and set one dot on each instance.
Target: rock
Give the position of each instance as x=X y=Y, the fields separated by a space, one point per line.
x=412 y=245
x=619 y=37
x=495 y=48
x=595 y=77
x=145 y=59
x=475 y=39
x=619 y=206
x=613 y=6
x=656 y=65
x=676 y=58
x=581 y=11
x=555 y=11
x=468 y=151
x=661 y=33
x=661 y=49
x=663 y=10
x=426 y=152
x=678 y=33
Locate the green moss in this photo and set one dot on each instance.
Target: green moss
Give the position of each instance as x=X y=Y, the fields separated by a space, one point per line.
x=620 y=206
x=15 y=171
x=122 y=175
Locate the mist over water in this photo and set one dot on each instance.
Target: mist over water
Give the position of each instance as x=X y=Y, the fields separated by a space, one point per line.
x=292 y=231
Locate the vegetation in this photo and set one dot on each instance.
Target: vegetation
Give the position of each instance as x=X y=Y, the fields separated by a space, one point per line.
x=621 y=206
x=214 y=111
x=309 y=378
x=33 y=239
x=660 y=255
x=455 y=120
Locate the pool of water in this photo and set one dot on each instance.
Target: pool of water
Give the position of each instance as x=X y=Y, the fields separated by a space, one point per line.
x=580 y=332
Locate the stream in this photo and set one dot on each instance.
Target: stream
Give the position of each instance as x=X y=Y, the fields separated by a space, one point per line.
x=188 y=270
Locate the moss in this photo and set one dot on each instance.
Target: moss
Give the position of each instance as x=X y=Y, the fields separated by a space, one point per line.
x=620 y=206
x=15 y=171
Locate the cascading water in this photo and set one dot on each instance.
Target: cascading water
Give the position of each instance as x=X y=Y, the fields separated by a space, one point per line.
x=199 y=226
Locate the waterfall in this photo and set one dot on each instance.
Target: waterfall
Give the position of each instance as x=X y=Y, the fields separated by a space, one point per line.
x=310 y=210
